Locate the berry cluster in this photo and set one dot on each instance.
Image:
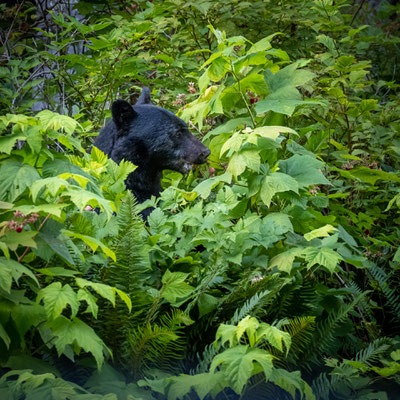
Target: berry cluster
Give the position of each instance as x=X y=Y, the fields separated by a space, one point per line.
x=364 y=162
x=314 y=190
x=253 y=97
x=180 y=99
x=191 y=88
x=21 y=220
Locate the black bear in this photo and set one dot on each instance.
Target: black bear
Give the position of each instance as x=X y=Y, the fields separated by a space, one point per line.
x=151 y=138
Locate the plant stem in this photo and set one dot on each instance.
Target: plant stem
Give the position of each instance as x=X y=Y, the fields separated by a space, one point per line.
x=27 y=249
x=242 y=95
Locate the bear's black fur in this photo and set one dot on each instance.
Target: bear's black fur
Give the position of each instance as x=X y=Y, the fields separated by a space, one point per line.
x=151 y=138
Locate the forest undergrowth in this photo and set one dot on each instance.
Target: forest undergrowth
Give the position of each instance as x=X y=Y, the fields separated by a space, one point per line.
x=272 y=272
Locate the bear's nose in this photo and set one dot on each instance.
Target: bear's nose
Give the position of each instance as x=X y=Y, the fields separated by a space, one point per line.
x=206 y=152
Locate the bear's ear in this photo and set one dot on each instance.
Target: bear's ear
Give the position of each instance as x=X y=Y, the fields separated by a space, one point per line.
x=122 y=113
x=144 y=97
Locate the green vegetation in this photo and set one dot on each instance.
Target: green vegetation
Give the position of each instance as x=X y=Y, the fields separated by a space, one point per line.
x=271 y=273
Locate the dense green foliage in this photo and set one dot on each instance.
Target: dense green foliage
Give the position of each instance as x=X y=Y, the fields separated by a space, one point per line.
x=271 y=273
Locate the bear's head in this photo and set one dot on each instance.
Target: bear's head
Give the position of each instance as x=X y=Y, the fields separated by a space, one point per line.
x=152 y=137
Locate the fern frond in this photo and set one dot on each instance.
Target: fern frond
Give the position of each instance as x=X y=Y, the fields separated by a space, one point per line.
x=130 y=274
x=391 y=295
x=363 y=304
x=321 y=386
x=255 y=301
x=301 y=330
x=294 y=300
x=323 y=339
x=243 y=293
x=157 y=344
x=371 y=353
x=204 y=360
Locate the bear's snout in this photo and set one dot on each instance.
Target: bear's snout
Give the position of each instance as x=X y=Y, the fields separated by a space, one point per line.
x=202 y=158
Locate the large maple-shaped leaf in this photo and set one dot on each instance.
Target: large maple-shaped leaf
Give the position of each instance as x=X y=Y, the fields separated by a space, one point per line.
x=291 y=382
x=284 y=97
x=56 y=298
x=237 y=364
x=305 y=169
x=277 y=183
x=78 y=334
x=325 y=257
x=15 y=177
x=284 y=261
x=174 y=286
x=203 y=384
x=274 y=336
x=242 y=160
x=52 y=120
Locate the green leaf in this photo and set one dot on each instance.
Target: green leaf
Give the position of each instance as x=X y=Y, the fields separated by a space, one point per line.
x=282 y=106
x=203 y=81
x=5 y=277
x=284 y=97
x=78 y=334
x=272 y=132
x=248 y=325
x=276 y=183
x=124 y=297
x=328 y=42
x=4 y=336
x=13 y=239
x=101 y=289
x=92 y=307
x=51 y=120
x=207 y=304
x=14 y=270
x=6 y=206
x=4 y=249
x=27 y=315
x=53 y=186
x=81 y=198
x=203 y=189
x=7 y=142
x=57 y=271
x=217 y=70
x=242 y=160
x=320 y=232
x=280 y=220
x=81 y=180
x=261 y=45
x=237 y=364
x=15 y=177
x=227 y=333
x=291 y=382
x=56 y=298
x=284 y=261
x=305 y=169
x=274 y=336
x=203 y=384
x=48 y=208
x=233 y=144
x=325 y=257
x=92 y=242
x=174 y=286
x=370 y=175
x=229 y=126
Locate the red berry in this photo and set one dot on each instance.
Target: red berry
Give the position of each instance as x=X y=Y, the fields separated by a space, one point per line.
x=19 y=229
x=211 y=170
x=252 y=101
x=367 y=232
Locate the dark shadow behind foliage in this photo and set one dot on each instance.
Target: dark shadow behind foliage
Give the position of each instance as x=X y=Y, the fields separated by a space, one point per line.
x=272 y=272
